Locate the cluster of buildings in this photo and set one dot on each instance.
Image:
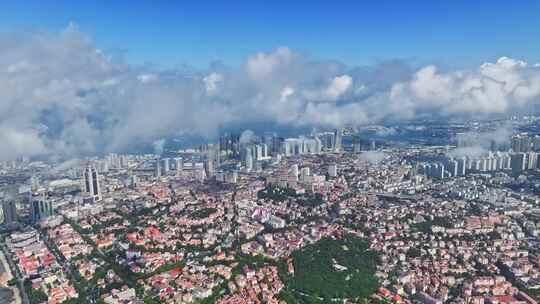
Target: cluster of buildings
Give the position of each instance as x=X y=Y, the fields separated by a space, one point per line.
x=37 y=264
x=515 y=162
x=218 y=222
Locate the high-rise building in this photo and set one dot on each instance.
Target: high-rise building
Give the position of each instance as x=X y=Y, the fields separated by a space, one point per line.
x=178 y=164
x=462 y=165
x=268 y=140
x=134 y=181
x=40 y=207
x=436 y=170
x=302 y=145
x=213 y=160
x=433 y=170
x=289 y=146
x=526 y=143
x=338 y=134
x=532 y=159
x=294 y=172
x=259 y=152
x=357 y=147
x=157 y=169
x=249 y=161
x=166 y=166
x=536 y=143
x=9 y=209
x=522 y=143
x=327 y=140
x=518 y=162
x=209 y=168
x=318 y=145
x=91 y=182
x=229 y=144
x=34 y=183
x=453 y=167
x=277 y=142
x=124 y=161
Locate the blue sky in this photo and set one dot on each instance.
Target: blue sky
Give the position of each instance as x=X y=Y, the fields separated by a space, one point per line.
x=171 y=33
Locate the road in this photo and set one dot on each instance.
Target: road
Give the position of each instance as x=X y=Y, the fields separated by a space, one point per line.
x=15 y=270
x=90 y=295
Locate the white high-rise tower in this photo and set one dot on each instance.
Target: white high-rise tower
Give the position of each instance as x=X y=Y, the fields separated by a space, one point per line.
x=91 y=182
x=338 y=134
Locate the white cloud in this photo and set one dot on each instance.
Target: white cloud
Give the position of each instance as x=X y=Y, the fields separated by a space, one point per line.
x=159 y=146
x=335 y=89
x=285 y=93
x=247 y=137
x=147 y=78
x=373 y=157
x=338 y=87
x=211 y=82
x=60 y=94
x=493 y=88
x=18 y=141
x=262 y=64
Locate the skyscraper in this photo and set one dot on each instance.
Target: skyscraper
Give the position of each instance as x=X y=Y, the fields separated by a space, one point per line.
x=327 y=140
x=213 y=160
x=40 y=207
x=462 y=164
x=230 y=145
x=318 y=145
x=91 y=182
x=277 y=142
x=268 y=139
x=209 y=168
x=248 y=160
x=10 y=211
x=356 y=144
x=518 y=162
x=178 y=164
x=338 y=133
x=166 y=165
x=157 y=169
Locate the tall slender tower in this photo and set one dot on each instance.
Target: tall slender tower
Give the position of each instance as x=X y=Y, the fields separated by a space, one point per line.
x=10 y=211
x=179 y=164
x=157 y=169
x=338 y=133
x=91 y=182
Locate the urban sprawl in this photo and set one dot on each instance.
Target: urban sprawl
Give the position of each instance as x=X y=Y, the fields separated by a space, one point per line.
x=329 y=217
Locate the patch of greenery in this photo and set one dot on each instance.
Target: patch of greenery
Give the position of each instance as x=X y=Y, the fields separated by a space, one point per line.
x=333 y=269
x=203 y=213
x=276 y=193
x=35 y=296
x=414 y=252
x=311 y=200
x=438 y=221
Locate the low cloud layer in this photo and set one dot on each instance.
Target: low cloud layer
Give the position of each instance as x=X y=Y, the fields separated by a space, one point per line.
x=373 y=157
x=480 y=143
x=61 y=95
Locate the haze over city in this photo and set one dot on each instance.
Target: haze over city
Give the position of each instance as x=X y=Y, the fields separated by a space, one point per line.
x=269 y=152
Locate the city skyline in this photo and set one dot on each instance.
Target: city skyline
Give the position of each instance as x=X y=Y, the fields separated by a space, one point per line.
x=269 y=152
